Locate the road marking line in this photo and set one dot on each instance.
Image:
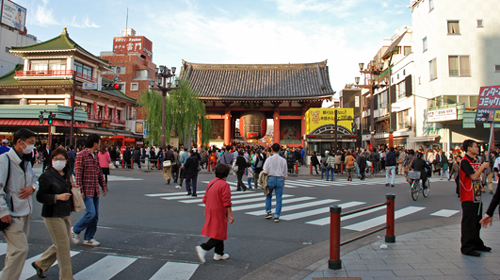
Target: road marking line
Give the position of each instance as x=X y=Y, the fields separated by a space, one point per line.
x=445 y=213
x=321 y=210
x=258 y=205
x=105 y=268
x=298 y=206
x=326 y=221
x=175 y=271
x=198 y=200
x=28 y=270
x=382 y=219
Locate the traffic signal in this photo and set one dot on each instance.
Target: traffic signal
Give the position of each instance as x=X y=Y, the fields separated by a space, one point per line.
x=111 y=86
x=40 y=118
x=51 y=117
x=353 y=127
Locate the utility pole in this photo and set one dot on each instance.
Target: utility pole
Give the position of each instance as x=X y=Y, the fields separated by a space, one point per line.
x=336 y=130
x=71 y=132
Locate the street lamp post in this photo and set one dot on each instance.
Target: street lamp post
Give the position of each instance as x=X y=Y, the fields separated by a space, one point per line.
x=164 y=83
x=370 y=74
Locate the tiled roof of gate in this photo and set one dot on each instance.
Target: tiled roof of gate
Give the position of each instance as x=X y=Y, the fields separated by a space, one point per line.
x=258 y=81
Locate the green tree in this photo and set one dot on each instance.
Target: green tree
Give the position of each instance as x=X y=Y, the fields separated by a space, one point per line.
x=183 y=113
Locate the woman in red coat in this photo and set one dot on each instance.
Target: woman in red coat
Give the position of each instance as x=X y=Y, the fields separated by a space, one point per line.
x=217 y=201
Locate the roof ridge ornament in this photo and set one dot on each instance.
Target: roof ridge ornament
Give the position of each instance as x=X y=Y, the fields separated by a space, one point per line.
x=65 y=32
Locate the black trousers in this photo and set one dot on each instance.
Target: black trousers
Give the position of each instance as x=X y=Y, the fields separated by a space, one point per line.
x=239 y=175
x=211 y=243
x=471 y=215
x=182 y=176
x=362 y=173
x=175 y=173
x=316 y=168
x=457 y=181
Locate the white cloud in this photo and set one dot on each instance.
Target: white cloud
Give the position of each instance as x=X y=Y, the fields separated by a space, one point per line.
x=85 y=23
x=43 y=16
x=339 y=8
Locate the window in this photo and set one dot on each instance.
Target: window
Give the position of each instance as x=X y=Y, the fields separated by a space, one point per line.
x=401 y=90
x=450 y=99
x=424 y=42
x=134 y=86
x=382 y=98
x=84 y=69
x=403 y=119
x=497 y=68
x=473 y=100
x=396 y=50
x=459 y=65
x=431 y=5
x=453 y=27
x=42 y=65
x=465 y=100
x=6 y=49
x=142 y=73
x=407 y=50
x=479 y=23
x=433 y=69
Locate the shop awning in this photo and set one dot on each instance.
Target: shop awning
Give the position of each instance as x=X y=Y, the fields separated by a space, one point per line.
x=31 y=122
x=95 y=131
x=430 y=138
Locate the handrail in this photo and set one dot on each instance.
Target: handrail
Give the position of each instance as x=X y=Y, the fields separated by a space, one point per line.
x=335 y=213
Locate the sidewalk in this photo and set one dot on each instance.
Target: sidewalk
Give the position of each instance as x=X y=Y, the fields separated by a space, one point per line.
x=432 y=254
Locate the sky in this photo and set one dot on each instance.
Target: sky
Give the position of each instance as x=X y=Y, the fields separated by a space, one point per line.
x=344 y=32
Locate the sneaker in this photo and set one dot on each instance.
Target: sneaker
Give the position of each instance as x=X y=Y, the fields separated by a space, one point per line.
x=195 y=195
x=269 y=215
x=387 y=185
x=276 y=219
x=201 y=254
x=189 y=193
x=92 y=242
x=177 y=187
x=75 y=237
x=392 y=186
x=218 y=257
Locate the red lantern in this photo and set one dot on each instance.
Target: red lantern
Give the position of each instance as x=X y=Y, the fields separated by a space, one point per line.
x=253 y=125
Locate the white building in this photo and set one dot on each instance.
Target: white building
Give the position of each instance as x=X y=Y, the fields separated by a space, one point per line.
x=10 y=37
x=456 y=51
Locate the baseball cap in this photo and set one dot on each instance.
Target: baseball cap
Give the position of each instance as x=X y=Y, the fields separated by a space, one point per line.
x=5 y=141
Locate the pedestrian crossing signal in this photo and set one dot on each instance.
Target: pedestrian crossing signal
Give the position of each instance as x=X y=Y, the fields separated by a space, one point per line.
x=51 y=118
x=40 y=119
x=353 y=127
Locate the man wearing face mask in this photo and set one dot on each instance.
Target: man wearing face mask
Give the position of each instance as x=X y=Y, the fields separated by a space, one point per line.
x=88 y=176
x=17 y=184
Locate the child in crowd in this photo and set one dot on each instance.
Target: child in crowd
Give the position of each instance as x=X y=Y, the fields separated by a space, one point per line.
x=249 y=173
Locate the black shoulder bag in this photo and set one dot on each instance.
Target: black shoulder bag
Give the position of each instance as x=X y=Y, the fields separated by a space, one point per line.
x=4 y=226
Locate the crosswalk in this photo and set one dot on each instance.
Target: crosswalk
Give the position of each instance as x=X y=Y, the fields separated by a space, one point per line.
x=111 y=265
x=305 y=209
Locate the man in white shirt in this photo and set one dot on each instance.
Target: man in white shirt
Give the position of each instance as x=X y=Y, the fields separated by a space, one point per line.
x=275 y=168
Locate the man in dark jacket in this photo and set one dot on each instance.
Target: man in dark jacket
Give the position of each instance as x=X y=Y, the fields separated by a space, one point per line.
x=137 y=156
x=127 y=155
x=361 y=161
x=375 y=159
x=45 y=157
x=390 y=166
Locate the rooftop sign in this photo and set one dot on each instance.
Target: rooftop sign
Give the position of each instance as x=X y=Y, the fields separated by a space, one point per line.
x=13 y=15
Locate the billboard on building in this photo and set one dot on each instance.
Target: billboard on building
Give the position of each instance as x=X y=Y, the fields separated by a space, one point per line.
x=13 y=15
x=318 y=117
x=488 y=104
x=138 y=44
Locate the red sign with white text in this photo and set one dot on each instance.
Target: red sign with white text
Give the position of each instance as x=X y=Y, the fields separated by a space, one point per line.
x=488 y=104
x=138 y=44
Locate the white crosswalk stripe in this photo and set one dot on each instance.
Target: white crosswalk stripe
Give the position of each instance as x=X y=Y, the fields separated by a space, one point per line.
x=109 y=266
x=310 y=210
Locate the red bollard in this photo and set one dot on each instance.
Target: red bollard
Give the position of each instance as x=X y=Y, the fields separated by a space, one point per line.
x=389 y=233
x=311 y=167
x=296 y=167
x=158 y=164
x=334 y=262
x=341 y=168
x=132 y=163
x=123 y=164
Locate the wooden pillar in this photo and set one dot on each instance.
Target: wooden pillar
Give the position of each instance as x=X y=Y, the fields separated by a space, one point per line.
x=227 y=128
x=198 y=136
x=276 y=120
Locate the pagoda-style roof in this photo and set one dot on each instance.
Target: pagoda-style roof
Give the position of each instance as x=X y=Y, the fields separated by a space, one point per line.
x=308 y=81
x=61 y=43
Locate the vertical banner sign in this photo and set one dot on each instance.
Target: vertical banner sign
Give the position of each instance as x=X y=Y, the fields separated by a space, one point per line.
x=488 y=105
x=96 y=111
x=115 y=114
x=106 y=112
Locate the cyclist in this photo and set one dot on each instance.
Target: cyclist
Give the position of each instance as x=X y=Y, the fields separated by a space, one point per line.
x=421 y=165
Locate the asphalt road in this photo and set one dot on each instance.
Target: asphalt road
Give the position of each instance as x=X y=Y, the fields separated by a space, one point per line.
x=147 y=228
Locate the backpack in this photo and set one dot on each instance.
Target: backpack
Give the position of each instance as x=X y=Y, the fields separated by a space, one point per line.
x=259 y=163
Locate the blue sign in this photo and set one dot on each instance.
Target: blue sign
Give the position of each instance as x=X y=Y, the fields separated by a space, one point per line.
x=145 y=132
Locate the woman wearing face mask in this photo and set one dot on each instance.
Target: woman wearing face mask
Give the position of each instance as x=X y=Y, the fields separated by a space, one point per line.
x=55 y=195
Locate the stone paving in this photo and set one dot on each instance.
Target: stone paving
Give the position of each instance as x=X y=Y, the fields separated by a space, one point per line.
x=432 y=254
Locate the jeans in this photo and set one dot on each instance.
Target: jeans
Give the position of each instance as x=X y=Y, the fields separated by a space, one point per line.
x=191 y=180
x=391 y=169
x=357 y=169
x=90 y=219
x=329 y=170
x=276 y=184
x=249 y=179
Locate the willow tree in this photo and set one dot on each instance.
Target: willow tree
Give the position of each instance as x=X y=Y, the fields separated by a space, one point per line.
x=183 y=113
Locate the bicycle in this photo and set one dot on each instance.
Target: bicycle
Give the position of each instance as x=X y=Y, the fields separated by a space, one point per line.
x=417 y=187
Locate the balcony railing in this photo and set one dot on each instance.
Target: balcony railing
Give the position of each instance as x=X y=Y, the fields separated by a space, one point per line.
x=53 y=74
x=93 y=117
x=115 y=121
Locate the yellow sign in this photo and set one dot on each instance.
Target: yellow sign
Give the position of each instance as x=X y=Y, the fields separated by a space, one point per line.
x=497 y=116
x=317 y=117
